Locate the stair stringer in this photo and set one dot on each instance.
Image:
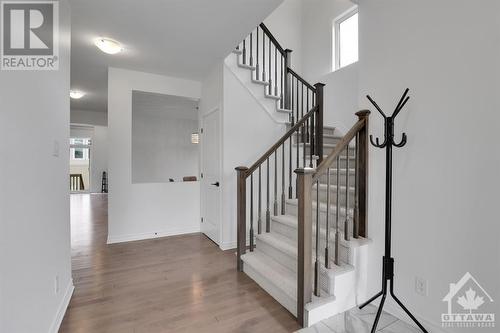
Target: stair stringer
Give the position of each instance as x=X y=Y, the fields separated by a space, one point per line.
x=257 y=91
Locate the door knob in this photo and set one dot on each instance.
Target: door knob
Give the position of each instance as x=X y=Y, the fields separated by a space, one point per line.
x=216 y=184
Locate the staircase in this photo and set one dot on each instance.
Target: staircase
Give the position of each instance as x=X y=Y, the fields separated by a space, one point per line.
x=302 y=205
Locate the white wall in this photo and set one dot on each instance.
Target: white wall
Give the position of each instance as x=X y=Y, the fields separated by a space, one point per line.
x=161 y=139
x=138 y=211
x=248 y=131
x=341 y=98
x=34 y=206
x=285 y=23
x=317 y=35
x=89 y=117
x=446 y=178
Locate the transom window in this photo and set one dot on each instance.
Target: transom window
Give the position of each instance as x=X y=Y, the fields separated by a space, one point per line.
x=345 y=39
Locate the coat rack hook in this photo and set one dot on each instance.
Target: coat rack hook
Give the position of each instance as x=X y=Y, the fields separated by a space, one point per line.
x=377 y=142
x=376 y=106
x=402 y=143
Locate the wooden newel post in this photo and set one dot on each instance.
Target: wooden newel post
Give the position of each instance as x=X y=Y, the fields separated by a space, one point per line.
x=287 y=88
x=304 y=265
x=319 y=121
x=241 y=214
x=362 y=171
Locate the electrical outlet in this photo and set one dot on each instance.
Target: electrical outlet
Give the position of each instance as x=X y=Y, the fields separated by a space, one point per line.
x=420 y=286
x=56 y=284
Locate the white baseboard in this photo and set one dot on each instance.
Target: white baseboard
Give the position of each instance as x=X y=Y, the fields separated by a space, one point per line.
x=61 y=311
x=228 y=246
x=151 y=235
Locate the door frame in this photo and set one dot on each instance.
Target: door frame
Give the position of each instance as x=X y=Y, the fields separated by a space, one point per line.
x=216 y=109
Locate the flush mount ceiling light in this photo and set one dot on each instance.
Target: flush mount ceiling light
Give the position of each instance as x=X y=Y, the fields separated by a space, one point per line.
x=108 y=45
x=76 y=94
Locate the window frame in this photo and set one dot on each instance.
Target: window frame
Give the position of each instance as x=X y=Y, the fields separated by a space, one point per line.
x=336 y=35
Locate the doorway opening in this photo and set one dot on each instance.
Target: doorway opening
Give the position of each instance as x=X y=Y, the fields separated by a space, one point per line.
x=79 y=165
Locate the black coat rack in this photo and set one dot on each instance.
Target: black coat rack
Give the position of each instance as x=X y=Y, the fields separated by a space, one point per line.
x=388 y=261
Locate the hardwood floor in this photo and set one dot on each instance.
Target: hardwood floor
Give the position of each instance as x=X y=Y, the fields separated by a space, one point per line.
x=172 y=284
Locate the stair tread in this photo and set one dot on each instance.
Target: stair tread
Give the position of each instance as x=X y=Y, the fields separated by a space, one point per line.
x=272 y=96
x=273 y=271
x=285 y=245
x=291 y=221
x=322 y=206
x=323 y=187
x=246 y=66
x=276 y=240
x=264 y=83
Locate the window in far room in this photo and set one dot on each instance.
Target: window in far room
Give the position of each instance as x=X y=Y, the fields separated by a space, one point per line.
x=345 y=35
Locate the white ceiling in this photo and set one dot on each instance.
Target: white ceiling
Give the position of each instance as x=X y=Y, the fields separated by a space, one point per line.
x=181 y=38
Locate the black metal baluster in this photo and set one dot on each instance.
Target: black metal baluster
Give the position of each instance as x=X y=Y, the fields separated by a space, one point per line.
x=251 y=48
x=307 y=109
x=311 y=141
x=282 y=101
x=268 y=212
x=317 y=263
x=290 y=177
x=244 y=51
x=275 y=210
x=259 y=221
x=297 y=134
x=355 y=227
x=251 y=214
x=257 y=74
x=337 y=214
x=270 y=90
x=304 y=139
x=283 y=179
x=276 y=71
x=347 y=235
x=327 y=222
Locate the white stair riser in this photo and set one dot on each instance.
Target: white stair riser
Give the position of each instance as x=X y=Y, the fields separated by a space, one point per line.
x=327 y=150
x=291 y=233
x=285 y=259
x=342 y=178
x=270 y=287
x=291 y=209
x=333 y=195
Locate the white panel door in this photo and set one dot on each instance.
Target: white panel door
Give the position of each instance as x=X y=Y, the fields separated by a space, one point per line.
x=210 y=182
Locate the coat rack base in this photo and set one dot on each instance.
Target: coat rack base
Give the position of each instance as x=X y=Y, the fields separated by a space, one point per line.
x=388 y=278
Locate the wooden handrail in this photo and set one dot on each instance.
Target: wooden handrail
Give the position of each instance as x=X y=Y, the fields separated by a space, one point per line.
x=339 y=147
x=301 y=79
x=285 y=137
x=273 y=39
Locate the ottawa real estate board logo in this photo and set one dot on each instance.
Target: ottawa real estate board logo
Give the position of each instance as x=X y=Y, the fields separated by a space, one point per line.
x=468 y=305
x=29 y=35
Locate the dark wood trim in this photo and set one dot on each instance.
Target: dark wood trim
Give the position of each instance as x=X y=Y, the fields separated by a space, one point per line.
x=285 y=137
x=298 y=77
x=363 y=167
x=288 y=64
x=319 y=121
x=241 y=215
x=304 y=265
x=272 y=38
